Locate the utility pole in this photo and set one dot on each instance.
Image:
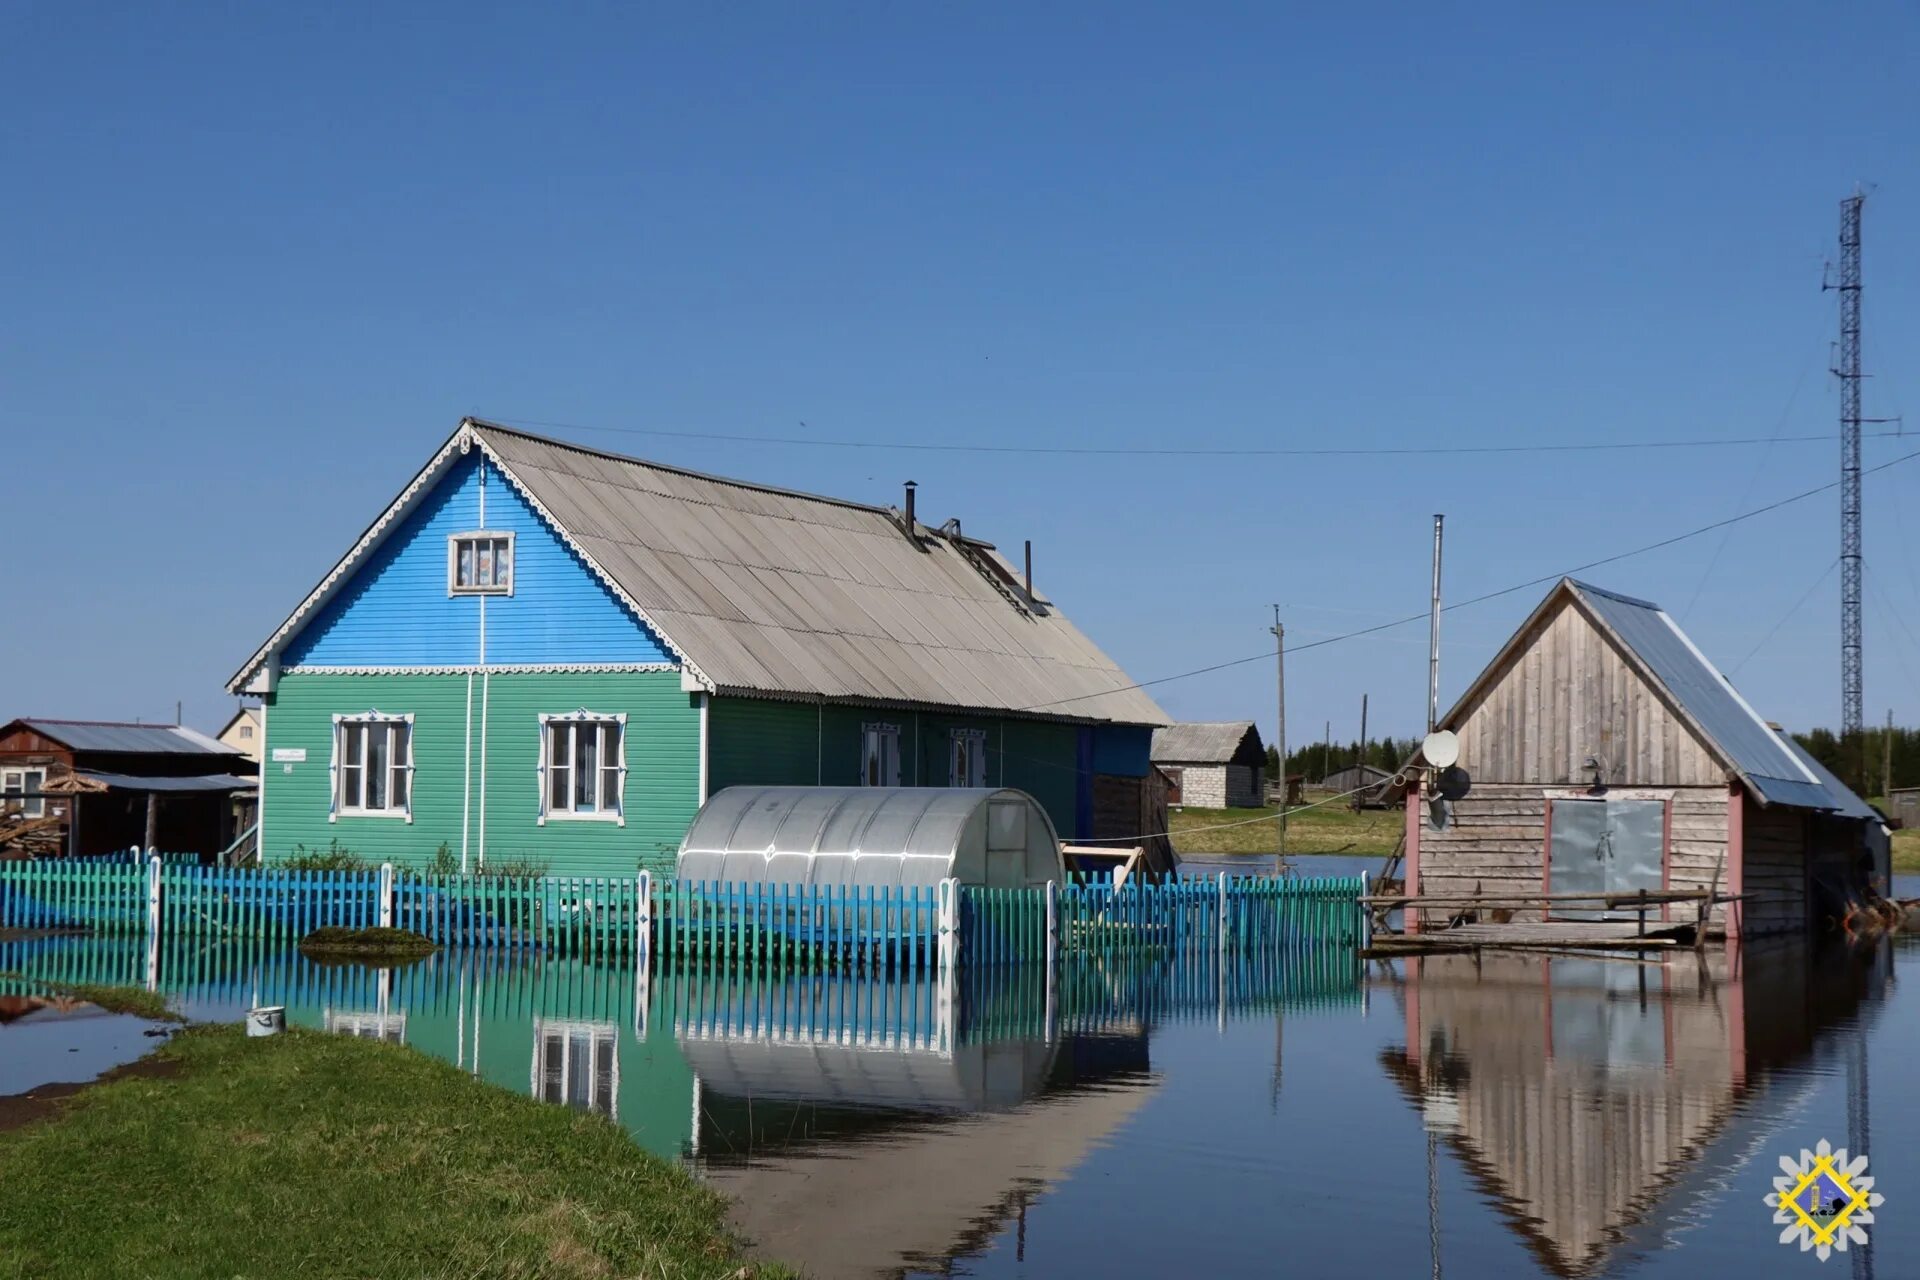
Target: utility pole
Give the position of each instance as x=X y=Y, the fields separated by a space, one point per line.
x=1847 y=368
x=1363 y=747
x=1433 y=633
x=1326 y=751
x=1886 y=762
x=1280 y=735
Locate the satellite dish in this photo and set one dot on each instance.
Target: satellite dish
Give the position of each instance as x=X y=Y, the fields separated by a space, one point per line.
x=1453 y=783
x=1442 y=748
x=1438 y=810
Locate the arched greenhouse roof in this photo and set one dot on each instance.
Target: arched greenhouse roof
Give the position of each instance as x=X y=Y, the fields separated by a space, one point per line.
x=915 y=836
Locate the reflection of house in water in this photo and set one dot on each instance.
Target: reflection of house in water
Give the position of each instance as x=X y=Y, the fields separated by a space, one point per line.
x=367 y=1024
x=577 y=1064
x=1579 y=1091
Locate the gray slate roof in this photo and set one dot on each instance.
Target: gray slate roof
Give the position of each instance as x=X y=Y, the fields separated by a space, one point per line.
x=141 y=739
x=1754 y=749
x=1199 y=742
x=1850 y=804
x=769 y=591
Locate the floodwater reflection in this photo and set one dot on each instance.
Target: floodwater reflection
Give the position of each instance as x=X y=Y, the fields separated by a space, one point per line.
x=1577 y=1116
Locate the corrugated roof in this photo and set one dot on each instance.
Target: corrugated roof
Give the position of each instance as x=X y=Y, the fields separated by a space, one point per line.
x=1709 y=700
x=127 y=782
x=775 y=592
x=1846 y=802
x=141 y=739
x=1199 y=742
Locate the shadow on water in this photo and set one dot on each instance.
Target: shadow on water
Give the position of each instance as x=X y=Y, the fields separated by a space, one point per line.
x=1607 y=1114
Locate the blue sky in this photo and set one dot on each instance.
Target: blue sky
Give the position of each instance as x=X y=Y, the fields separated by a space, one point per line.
x=262 y=259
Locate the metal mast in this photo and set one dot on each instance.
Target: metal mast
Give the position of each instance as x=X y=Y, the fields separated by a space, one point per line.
x=1847 y=369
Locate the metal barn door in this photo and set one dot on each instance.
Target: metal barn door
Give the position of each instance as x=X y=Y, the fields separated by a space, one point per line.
x=1606 y=846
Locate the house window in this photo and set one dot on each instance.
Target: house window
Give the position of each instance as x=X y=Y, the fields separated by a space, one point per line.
x=391 y=1027
x=968 y=767
x=373 y=766
x=880 y=755
x=480 y=564
x=246 y=731
x=22 y=787
x=583 y=766
x=577 y=1064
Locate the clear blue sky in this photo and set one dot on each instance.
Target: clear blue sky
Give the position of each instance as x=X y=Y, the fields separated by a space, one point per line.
x=260 y=259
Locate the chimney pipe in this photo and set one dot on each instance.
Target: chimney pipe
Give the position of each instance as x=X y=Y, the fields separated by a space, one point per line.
x=912 y=526
x=1029 y=569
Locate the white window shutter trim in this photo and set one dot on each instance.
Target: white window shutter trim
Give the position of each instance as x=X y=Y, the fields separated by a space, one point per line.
x=410 y=737
x=333 y=772
x=540 y=772
x=620 y=800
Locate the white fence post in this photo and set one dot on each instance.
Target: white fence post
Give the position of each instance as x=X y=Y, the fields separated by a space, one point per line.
x=949 y=923
x=1053 y=922
x=386 y=895
x=153 y=894
x=643 y=916
x=1221 y=924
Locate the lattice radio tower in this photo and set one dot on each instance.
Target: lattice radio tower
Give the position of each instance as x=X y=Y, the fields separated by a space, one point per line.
x=1847 y=369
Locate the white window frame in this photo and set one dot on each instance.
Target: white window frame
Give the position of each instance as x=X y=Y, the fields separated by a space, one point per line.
x=367 y=1025
x=475 y=537
x=967 y=757
x=13 y=784
x=604 y=1091
x=879 y=752
x=618 y=814
x=336 y=762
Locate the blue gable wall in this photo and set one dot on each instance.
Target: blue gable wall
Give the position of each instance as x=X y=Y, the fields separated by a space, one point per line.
x=395 y=610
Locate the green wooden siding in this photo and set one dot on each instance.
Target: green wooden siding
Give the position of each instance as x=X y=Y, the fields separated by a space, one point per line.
x=663 y=737
x=754 y=741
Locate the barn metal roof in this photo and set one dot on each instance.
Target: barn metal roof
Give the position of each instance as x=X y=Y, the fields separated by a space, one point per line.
x=131 y=739
x=1199 y=742
x=1749 y=744
x=1849 y=805
x=773 y=591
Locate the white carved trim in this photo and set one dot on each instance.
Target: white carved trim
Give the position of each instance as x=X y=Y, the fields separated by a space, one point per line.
x=582 y=716
x=534 y=668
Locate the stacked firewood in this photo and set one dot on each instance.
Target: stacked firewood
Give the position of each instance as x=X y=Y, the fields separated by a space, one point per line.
x=24 y=837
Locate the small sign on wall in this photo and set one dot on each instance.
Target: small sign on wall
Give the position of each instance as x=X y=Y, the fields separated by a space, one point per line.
x=289 y=755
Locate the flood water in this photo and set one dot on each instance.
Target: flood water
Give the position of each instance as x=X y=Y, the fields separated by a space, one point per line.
x=1302 y=1114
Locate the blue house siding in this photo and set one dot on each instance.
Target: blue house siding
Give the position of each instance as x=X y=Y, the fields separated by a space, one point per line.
x=395 y=610
x=1123 y=750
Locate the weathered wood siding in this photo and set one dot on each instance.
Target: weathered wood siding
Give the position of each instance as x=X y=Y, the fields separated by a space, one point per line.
x=1496 y=842
x=1775 y=876
x=1566 y=694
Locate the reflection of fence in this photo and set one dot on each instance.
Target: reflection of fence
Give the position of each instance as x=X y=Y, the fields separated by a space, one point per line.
x=999 y=926
x=861 y=928
x=761 y=927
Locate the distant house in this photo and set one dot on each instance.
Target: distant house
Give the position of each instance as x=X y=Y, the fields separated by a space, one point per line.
x=242 y=733
x=1362 y=781
x=1211 y=765
x=546 y=653
x=1905 y=805
x=98 y=786
x=1606 y=754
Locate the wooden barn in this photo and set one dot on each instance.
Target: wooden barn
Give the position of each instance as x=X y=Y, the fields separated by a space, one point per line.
x=1606 y=754
x=1211 y=765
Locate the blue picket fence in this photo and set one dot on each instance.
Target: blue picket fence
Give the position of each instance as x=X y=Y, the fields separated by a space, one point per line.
x=271 y=903
x=779 y=927
x=107 y=897
x=570 y=915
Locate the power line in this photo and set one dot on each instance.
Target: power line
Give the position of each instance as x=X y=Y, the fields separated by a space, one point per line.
x=1774 y=630
x=1202 y=451
x=1482 y=599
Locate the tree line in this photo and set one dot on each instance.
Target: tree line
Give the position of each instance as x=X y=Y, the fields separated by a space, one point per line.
x=1317 y=760
x=1859 y=760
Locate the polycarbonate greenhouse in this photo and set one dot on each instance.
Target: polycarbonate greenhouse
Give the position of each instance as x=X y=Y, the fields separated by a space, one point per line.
x=912 y=836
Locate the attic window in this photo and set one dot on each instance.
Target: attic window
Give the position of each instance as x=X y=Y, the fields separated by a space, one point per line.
x=480 y=563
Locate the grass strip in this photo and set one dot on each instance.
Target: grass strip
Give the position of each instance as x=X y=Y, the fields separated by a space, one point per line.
x=310 y=1154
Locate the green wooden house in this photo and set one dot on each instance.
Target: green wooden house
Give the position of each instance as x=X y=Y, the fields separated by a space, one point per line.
x=544 y=654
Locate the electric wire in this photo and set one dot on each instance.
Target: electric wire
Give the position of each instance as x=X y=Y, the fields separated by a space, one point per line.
x=1774 y=630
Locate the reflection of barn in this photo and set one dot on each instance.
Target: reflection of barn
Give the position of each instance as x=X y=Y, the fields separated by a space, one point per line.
x=1581 y=1092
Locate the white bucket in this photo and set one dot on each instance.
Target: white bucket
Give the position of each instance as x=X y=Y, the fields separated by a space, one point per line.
x=268 y=1021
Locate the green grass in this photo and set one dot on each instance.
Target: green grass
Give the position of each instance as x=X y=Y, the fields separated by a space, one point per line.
x=1906 y=849
x=138 y=1001
x=396 y=943
x=307 y=1154
x=1333 y=828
